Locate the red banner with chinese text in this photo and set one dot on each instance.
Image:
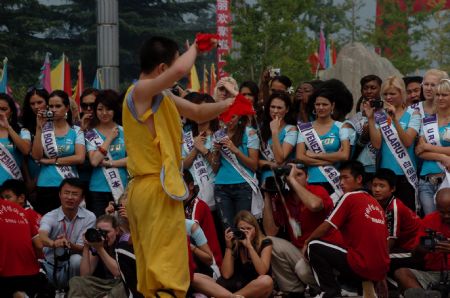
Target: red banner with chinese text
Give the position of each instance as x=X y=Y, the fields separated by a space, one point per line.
x=223 y=19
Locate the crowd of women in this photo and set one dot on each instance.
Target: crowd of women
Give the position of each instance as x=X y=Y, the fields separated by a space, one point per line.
x=230 y=161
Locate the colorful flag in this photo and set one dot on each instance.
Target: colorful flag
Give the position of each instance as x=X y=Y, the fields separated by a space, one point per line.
x=98 y=80
x=327 y=57
x=322 y=49
x=4 y=77
x=205 y=88
x=67 y=78
x=313 y=60
x=333 y=53
x=57 y=74
x=193 y=81
x=79 y=87
x=213 y=80
x=45 y=77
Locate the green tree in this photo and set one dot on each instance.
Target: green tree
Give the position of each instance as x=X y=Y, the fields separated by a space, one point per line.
x=270 y=35
x=438 y=40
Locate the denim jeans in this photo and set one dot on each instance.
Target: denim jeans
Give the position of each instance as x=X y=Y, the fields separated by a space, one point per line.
x=65 y=271
x=232 y=198
x=426 y=196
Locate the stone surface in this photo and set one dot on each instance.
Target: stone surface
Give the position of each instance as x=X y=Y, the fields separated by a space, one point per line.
x=355 y=61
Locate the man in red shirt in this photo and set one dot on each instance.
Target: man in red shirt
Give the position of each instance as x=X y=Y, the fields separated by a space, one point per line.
x=434 y=260
x=402 y=223
x=361 y=222
x=19 y=268
x=308 y=206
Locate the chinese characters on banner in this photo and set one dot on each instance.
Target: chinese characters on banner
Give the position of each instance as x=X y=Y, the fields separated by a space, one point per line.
x=224 y=31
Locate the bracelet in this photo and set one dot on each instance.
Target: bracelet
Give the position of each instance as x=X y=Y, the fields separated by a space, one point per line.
x=56 y=161
x=102 y=151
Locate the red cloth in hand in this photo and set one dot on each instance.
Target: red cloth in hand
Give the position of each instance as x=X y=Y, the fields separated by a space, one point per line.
x=241 y=106
x=204 y=43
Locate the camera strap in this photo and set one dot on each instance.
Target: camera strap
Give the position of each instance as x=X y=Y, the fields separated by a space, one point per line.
x=314 y=144
x=112 y=175
x=9 y=164
x=71 y=230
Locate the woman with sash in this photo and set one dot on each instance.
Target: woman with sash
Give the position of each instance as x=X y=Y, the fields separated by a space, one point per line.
x=434 y=148
x=278 y=133
x=393 y=131
x=35 y=100
x=431 y=79
x=197 y=151
x=323 y=143
x=106 y=149
x=250 y=90
x=58 y=147
x=13 y=141
x=236 y=149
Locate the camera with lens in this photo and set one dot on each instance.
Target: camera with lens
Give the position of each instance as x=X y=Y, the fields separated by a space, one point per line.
x=274 y=72
x=286 y=169
x=95 y=235
x=62 y=254
x=116 y=206
x=377 y=104
x=238 y=234
x=432 y=238
x=47 y=114
x=175 y=90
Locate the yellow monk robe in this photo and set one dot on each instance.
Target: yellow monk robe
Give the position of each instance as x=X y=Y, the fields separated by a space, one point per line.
x=156 y=220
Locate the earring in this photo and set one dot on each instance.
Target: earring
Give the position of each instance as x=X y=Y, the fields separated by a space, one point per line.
x=332 y=111
x=65 y=116
x=314 y=112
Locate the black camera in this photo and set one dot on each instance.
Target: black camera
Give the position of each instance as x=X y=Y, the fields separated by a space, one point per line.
x=431 y=239
x=377 y=104
x=62 y=254
x=116 y=206
x=47 y=114
x=286 y=169
x=95 y=235
x=175 y=90
x=238 y=234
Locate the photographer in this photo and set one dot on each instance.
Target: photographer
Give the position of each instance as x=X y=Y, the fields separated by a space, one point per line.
x=308 y=205
x=98 y=269
x=435 y=250
x=62 y=231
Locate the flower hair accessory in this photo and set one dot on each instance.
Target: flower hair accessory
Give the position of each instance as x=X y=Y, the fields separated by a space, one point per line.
x=290 y=90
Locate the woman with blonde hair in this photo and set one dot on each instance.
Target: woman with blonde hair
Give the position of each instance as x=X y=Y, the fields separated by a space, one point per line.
x=246 y=264
x=430 y=80
x=434 y=147
x=226 y=87
x=393 y=130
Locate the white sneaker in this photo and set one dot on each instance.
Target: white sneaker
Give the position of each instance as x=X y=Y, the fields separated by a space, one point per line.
x=345 y=293
x=320 y=295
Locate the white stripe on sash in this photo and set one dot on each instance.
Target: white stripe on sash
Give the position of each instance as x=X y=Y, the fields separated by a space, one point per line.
x=112 y=175
x=206 y=186
x=9 y=164
x=431 y=133
x=48 y=140
x=314 y=144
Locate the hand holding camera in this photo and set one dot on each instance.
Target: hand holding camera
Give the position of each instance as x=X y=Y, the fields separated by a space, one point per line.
x=95 y=237
x=435 y=241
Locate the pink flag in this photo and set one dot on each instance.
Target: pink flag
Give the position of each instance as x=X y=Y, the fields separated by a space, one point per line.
x=322 y=49
x=45 y=74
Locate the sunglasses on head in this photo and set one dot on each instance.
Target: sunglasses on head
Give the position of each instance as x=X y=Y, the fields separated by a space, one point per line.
x=87 y=106
x=33 y=88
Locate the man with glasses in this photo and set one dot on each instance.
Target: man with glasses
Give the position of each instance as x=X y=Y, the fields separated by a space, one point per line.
x=61 y=232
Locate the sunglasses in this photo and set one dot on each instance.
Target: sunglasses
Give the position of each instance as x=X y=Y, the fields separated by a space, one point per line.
x=87 y=106
x=32 y=89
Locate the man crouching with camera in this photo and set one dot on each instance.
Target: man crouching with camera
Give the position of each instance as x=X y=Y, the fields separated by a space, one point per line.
x=61 y=232
x=292 y=211
x=99 y=271
x=434 y=245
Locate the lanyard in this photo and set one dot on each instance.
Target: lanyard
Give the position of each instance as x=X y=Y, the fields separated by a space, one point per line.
x=71 y=231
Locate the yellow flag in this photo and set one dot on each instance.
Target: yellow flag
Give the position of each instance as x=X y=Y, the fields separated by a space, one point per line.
x=57 y=75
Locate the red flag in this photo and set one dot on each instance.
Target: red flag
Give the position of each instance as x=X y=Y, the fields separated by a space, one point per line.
x=322 y=49
x=240 y=107
x=333 y=53
x=67 y=79
x=80 y=84
x=314 y=62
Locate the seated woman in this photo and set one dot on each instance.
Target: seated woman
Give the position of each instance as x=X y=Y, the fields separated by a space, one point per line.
x=278 y=133
x=246 y=264
x=434 y=148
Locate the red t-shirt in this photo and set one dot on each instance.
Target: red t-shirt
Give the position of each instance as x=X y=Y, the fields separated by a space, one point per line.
x=34 y=216
x=307 y=220
x=433 y=260
x=199 y=211
x=17 y=257
x=362 y=224
x=403 y=224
